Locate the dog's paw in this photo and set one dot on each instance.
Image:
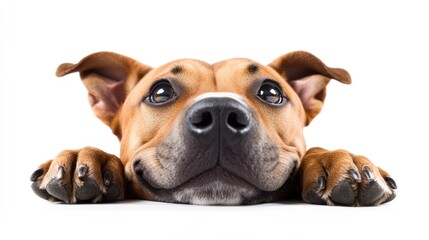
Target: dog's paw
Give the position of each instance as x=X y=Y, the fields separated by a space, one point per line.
x=340 y=178
x=76 y=176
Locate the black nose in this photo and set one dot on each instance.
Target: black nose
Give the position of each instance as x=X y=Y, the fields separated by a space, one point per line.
x=224 y=117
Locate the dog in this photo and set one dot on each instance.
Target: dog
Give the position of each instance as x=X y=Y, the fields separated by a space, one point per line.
x=228 y=133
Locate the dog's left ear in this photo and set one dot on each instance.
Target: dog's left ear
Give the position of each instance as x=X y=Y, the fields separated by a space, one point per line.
x=308 y=76
x=109 y=77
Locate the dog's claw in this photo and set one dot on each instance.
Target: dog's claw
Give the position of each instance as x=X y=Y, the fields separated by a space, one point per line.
x=82 y=171
x=36 y=174
x=107 y=177
x=60 y=173
x=314 y=195
x=368 y=173
x=321 y=181
x=355 y=175
x=390 y=182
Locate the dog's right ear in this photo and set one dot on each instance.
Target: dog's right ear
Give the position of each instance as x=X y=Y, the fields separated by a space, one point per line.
x=108 y=77
x=308 y=76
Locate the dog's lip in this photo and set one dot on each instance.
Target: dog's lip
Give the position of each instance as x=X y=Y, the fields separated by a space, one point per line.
x=219 y=168
x=146 y=183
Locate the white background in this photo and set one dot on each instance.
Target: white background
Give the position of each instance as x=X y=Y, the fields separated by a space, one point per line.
x=383 y=114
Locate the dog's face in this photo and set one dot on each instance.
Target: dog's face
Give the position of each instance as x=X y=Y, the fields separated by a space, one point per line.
x=191 y=132
x=201 y=133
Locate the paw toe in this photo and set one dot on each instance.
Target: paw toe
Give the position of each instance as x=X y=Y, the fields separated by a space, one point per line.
x=113 y=193
x=40 y=192
x=313 y=197
x=392 y=184
x=343 y=193
x=390 y=198
x=370 y=194
x=88 y=190
x=58 y=190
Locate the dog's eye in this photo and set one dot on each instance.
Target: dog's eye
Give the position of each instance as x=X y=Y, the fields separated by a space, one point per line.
x=161 y=93
x=270 y=93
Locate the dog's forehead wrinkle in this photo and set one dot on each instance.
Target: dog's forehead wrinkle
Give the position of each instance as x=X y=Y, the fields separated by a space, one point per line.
x=235 y=62
x=185 y=63
x=182 y=66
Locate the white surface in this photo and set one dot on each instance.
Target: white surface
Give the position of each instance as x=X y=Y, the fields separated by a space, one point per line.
x=383 y=114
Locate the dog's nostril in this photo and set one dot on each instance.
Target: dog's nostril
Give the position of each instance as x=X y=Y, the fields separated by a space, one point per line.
x=237 y=122
x=205 y=120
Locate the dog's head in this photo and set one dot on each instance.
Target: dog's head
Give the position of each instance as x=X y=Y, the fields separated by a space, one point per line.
x=192 y=132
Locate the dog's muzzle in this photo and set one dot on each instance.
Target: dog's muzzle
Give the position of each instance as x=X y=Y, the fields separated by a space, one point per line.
x=217 y=152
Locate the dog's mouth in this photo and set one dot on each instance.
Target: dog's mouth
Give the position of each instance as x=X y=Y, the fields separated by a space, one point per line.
x=215 y=186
